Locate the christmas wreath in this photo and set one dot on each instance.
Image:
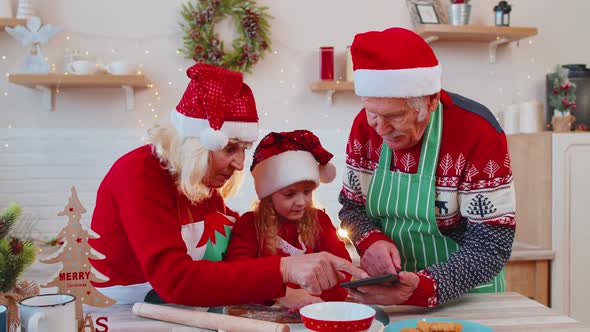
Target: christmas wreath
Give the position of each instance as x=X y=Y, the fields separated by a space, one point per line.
x=202 y=44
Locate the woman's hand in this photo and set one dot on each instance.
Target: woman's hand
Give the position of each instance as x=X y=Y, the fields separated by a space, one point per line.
x=318 y=271
x=297 y=298
x=388 y=295
x=382 y=257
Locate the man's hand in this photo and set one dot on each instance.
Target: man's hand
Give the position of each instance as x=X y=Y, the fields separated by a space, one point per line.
x=317 y=272
x=388 y=295
x=381 y=257
x=297 y=298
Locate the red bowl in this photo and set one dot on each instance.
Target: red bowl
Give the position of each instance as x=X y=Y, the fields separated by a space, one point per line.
x=337 y=316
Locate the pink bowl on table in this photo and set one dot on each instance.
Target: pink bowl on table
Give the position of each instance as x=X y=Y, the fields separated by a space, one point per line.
x=337 y=316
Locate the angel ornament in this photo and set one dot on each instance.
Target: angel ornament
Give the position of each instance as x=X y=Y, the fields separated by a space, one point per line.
x=32 y=36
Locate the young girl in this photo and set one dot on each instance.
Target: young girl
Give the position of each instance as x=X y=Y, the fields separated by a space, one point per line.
x=287 y=168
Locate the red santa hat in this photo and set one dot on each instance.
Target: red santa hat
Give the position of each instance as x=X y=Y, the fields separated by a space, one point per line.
x=282 y=159
x=394 y=63
x=216 y=106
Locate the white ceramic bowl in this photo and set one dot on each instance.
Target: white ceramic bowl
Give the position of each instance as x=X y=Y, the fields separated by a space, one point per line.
x=337 y=316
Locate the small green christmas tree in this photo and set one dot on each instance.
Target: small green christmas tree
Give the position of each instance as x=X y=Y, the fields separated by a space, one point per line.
x=15 y=255
x=563 y=95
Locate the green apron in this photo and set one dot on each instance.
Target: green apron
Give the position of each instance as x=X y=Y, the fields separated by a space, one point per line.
x=404 y=204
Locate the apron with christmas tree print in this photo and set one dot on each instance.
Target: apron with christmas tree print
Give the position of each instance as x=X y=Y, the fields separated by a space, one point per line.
x=205 y=240
x=404 y=204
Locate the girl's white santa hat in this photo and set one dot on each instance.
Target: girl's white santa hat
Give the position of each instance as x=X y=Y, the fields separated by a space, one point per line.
x=282 y=159
x=216 y=106
x=394 y=63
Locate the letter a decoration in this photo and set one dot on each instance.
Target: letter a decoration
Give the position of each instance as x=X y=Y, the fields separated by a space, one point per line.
x=76 y=273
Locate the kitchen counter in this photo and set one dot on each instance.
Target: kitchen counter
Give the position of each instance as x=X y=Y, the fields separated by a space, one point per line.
x=501 y=312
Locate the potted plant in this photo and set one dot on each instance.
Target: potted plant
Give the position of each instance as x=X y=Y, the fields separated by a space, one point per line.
x=15 y=256
x=459 y=12
x=562 y=98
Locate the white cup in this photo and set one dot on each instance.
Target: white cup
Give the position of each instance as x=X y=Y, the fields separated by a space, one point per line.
x=119 y=68
x=81 y=67
x=531 y=116
x=48 y=313
x=511 y=119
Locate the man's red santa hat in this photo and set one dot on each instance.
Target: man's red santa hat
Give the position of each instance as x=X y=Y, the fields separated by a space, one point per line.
x=394 y=63
x=216 y=106
x=282 y=159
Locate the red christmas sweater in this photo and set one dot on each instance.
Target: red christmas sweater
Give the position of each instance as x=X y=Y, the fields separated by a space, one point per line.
x=244 y=245
x=147 y=236
x=473 y=167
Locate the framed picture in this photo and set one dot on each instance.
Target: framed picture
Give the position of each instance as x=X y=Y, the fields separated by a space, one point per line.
x=427 y=12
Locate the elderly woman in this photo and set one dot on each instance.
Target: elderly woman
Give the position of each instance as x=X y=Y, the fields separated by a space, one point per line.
x=161 y=215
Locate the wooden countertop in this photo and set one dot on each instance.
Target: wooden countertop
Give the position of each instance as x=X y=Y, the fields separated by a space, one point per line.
x=501 y=312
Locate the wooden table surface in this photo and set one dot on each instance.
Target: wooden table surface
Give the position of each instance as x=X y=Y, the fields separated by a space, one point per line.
x=501 y=312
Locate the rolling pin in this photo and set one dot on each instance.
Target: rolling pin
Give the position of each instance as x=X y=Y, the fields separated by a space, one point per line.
x=206 y=320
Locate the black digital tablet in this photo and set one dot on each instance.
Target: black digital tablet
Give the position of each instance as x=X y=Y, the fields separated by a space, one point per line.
x=382 y=280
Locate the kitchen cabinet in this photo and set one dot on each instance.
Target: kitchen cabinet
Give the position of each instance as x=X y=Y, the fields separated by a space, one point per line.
x=570 y=224
x=527 y=271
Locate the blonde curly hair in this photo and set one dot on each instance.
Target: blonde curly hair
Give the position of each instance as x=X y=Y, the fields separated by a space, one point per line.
x=266 y=222
x=188 y=162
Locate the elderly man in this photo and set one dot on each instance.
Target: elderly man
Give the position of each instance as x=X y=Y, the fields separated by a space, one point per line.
x=428 y=187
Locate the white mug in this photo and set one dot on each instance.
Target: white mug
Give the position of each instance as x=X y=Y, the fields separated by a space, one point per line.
x=119 y=68
x=48 y=313
x=81 y=67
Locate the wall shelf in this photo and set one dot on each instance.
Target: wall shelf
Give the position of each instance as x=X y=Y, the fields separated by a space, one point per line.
x=50 y=83
x=10 y=22
x=493 y=35
x=330 y=87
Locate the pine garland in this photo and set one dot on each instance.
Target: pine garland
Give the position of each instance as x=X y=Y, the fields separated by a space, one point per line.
x=563 y=96
x=202 y=44
x=15 y=255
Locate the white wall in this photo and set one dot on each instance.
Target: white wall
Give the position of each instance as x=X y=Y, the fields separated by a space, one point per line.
x=146 y=33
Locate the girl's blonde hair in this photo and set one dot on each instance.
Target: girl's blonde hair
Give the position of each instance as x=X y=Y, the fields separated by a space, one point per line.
x=188 y=162
x=266 y=221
